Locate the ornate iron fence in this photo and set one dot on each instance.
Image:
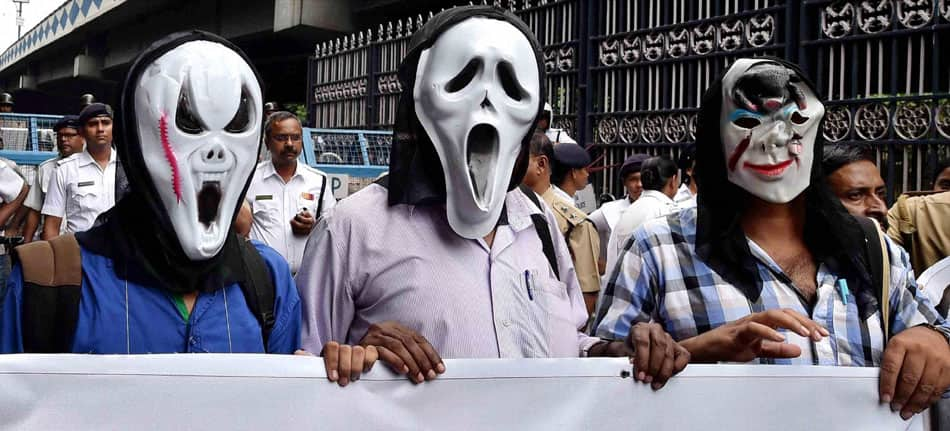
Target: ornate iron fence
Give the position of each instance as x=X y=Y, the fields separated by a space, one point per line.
x=627 y=76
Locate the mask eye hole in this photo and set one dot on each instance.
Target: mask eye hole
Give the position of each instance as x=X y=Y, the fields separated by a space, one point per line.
x=798 y=118
x=185 y=119
x=242 y=118
x=464 y=77
x=506 y=74
x=746 y=122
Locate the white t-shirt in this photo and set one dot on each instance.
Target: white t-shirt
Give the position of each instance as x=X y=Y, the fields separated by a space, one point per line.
x=935 y=281
x=274 y=204
x=559 y=136
x=37 y=194
x=80 y=190
x=11 y=183
x=650 y=205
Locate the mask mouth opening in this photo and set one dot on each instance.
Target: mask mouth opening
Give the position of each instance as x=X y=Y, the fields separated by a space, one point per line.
x=209 y=202
x=482 y=157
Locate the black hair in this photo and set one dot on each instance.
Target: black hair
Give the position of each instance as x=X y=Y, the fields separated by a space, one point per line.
x=687 y=160
x=277 y=117
x=833 y=236
x=656 y=172
x=941 y=166
x=834 y=157
x=541 y=145
x=559 y=172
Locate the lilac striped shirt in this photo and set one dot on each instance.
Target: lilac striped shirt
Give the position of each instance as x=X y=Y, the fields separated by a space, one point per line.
x=367 y=262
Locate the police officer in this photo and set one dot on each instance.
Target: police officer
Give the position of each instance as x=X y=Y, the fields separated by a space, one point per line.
x=83 y=186
x=556 y=172
x=6 y=102
x=286 y=197
x=68 y=142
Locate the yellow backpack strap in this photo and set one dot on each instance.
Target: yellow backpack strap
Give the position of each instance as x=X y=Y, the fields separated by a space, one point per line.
x=52 y=282
x=885 y=283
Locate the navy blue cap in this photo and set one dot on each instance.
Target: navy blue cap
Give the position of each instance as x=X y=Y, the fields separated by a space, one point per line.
x=94 y=110
x=632 y=164
x=71 y=121
x=571 y=155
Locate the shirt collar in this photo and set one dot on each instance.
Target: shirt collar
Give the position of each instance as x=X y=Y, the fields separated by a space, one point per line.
x=269 y=170
x=85 y=158
x=656 y=194
x=518 y=210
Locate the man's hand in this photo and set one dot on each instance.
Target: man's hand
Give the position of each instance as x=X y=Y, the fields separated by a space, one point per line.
x=655 y=355
x=346 y=363
x=754 y=336
x=404 y=350
x=915 y=370
x=302 y=223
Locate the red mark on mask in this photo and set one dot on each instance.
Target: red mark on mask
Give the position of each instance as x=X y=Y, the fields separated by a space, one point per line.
x=170 y=155
x=734 y=159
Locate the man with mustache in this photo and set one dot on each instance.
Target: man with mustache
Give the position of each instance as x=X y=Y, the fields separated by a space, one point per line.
x=286 y=197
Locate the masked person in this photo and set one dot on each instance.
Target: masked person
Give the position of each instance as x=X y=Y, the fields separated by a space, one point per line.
x=770 y=266
x=441 y=258
x=68 y=142
x=164 y=273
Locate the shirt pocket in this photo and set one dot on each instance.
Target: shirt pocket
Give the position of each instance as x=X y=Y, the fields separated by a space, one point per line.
x=267 y=211
x=83 y=199
x=554 y=310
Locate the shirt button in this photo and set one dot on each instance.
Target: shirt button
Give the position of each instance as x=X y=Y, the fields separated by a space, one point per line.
x=506 y=323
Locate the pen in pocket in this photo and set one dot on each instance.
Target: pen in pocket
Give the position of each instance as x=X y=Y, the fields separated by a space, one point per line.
x=843 y=286
x=527 y=284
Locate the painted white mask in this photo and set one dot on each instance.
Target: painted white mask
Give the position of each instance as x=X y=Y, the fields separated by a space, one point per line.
x=198 y=116
x=769 y=123
x=477 y=93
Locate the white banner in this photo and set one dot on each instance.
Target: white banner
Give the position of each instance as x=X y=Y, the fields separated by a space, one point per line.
x=257 y=392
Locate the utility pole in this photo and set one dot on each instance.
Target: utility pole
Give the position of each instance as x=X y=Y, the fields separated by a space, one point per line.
x=19 y=17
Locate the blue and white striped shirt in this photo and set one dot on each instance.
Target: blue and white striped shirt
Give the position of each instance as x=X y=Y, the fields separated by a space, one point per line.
x=661 y=279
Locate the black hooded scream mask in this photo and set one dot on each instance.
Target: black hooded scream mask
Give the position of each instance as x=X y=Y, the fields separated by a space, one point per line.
x=472 y=84
x=191 y=130
x=769 y=110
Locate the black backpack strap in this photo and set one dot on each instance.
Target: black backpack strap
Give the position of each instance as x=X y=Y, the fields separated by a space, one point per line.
x=258 y=289
x=532 y=196
x=542 y=228
x=323 y=189
x=52 y=286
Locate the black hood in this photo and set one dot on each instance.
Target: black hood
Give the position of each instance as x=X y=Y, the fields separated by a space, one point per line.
x=138 y=232
x=833 y=236
x=415 y=171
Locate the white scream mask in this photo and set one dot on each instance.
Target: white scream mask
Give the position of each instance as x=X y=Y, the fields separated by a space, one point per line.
x=769 y=123
x=477 y=94
x=198 y=117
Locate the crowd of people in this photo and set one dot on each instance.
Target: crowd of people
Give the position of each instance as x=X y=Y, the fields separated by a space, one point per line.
x=759 y=244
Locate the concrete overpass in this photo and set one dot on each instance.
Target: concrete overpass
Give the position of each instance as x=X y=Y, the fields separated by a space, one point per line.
x=86 y=46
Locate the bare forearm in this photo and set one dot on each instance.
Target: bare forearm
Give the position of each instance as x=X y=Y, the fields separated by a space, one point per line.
x=51 y=227
x=8 y=209
x=32 y=223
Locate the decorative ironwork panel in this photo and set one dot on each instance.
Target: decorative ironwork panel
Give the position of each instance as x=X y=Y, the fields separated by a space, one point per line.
x=653 y=59
x=882 y=66
x=627 y=76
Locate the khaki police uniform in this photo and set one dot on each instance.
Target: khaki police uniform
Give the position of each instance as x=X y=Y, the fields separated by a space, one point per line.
x=582 y=239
